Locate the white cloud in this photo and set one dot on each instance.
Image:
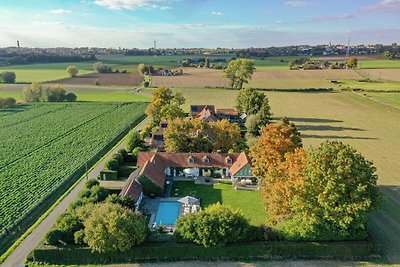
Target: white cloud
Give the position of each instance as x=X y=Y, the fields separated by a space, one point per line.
x=132 y=4
x=383 y=6
x=299 y=3
x=165 y=8
x=217 y=13
x=279 y=21
x=330 y=18
x=60 y=11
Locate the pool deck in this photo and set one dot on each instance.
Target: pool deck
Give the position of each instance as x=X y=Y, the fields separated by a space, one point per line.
x=153 y=205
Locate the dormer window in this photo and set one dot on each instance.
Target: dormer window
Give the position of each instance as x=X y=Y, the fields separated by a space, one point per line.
x=228 y=160
x=206 y=160
x=191 y=159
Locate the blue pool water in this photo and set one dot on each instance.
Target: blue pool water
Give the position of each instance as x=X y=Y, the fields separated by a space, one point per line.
x=167 y=213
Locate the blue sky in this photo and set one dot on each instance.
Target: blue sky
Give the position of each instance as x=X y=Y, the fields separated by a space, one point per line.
x=197 y=23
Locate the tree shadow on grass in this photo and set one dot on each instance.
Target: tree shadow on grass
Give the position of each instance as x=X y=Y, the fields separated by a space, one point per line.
x=311 y=120
x=326 y=128
x=337 y=137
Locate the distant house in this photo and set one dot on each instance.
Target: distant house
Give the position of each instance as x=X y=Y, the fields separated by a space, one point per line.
x=157 y=138
x=209 y=113
x=155 y=167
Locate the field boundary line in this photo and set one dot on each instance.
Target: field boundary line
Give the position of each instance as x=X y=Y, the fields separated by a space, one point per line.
x=46 y=213
x=376 y=100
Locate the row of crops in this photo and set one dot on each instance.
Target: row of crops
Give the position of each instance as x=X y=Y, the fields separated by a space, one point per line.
x=38 y=154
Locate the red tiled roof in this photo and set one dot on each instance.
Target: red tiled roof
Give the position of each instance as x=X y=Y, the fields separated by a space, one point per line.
x=154 y=169
x=201 y=108
x=134 y=190
x=181 y=159
x=208 y=112
x=241 y=161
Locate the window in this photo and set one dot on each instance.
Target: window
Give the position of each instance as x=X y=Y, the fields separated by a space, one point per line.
x=191 y=159
x=228 y=160
x=206 y=159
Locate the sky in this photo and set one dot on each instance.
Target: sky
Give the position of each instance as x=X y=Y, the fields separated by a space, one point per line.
x=197 y=23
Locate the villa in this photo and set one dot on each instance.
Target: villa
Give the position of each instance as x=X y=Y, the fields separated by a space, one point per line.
x=157 y=169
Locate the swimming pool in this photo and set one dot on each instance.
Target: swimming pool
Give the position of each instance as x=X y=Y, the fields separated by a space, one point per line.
x=167 y=212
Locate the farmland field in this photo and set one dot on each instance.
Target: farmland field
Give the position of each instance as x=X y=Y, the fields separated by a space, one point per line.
x=46 y=72
x=45 y=158
x=387 y=98
x=370 y=85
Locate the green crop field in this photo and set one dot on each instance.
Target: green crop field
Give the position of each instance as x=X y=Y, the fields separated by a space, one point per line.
x=46 y=72
x=379 y=64
x=44 y=144
x=392 y=99
x=370 y=85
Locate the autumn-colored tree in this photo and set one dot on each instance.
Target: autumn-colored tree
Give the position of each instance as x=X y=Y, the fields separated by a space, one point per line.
x=165 y=105
x=226 y=136
x=352 y=63
x=270 y=148
x=283 y=186
x=187 y=136
x=72 y=71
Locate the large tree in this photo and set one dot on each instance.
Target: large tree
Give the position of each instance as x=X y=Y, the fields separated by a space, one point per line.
x=215 y=225
x=187 y=136
x=352 y=63
x=339 y=190
x=112 y=228
x=227 y=136
x=253 y=102
x=239 y=71
x=270 y=148
x=165 y=104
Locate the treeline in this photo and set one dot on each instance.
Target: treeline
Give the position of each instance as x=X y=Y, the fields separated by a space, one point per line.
x=54 y=93
x=31 y=58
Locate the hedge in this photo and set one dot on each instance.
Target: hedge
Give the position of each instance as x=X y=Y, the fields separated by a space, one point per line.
x=353 y=250
x=108 y=175
x=125 y=171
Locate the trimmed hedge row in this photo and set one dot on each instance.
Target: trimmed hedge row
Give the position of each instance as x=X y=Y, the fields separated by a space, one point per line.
x=354 y=250
x=279 y=89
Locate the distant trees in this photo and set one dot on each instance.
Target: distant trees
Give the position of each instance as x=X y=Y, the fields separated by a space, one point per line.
x=112 y=228
x=165 y=104
x=72 y=71
x=100 y=67
x=352 y=63
x=33 y=93
x=7 y=77
x=8 y=102
x=53 y=93
x=239 y=71
x=215 y=225
x=253 y=102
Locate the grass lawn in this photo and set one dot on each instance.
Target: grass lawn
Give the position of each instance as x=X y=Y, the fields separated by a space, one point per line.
x=387 y=98
x=249 y=202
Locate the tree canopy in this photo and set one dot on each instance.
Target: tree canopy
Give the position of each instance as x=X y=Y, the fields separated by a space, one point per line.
x=112 y=228
x=165 y=104
x=216 y=225
x=239 y=72
x=33 y=93
x=352 y=63
x=73 y=71
x=8 y=77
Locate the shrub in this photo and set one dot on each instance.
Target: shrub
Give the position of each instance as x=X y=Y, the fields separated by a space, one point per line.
x=55 y=93
x=133 y=140
x=85 y=193
x=68 y=223
x=124 y=153
x=100 y=67
x=124 y=71
x=79 y=237
x=32 y=93
x=8 y=77
x=216 y=225
x=112 y=164
x=119 y=157
x=98 y=194
x=53 y=237
x=126 y=202
x=72 y=71
x=97 y=82
x=112 y=228
x=146 y=84
x=71 y=97
x=135 y=152
x=8 y=102
x=91 y=182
